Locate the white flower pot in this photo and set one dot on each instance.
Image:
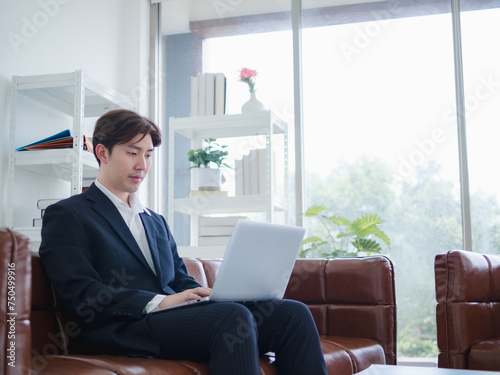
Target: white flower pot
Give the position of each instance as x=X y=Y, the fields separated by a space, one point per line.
x=210 y=179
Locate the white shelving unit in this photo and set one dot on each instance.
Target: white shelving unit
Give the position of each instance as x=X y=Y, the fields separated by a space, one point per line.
x=266 y=124
x=73 y=94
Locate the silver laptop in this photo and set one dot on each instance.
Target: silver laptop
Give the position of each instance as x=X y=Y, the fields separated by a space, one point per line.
x=257 y=264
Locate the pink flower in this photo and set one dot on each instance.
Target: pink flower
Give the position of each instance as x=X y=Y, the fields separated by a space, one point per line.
x=247 y=73
x=248 y=76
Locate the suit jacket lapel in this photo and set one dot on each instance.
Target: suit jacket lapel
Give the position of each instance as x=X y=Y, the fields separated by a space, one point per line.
x=104 y=207
x=149 y=227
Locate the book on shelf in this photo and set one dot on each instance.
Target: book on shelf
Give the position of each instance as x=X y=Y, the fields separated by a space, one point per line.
x=208 y=94
x=247 y=177
x=62 y=139
x=220 y=94
x=201 y=94
x=207 y=194
x=219 y=220
x=42 y=204
x=252 y=173
x=263 y=170
x=86 y=184
x=239 y=182
x=216 y=230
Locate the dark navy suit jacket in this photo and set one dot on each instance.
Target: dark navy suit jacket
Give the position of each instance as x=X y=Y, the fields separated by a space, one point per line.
x=101 y=276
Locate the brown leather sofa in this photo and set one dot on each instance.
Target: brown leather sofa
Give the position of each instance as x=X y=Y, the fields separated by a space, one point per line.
x=468 y=310
x=352 y=301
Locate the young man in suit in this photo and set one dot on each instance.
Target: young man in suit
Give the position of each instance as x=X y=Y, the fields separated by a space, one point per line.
x=112 y=262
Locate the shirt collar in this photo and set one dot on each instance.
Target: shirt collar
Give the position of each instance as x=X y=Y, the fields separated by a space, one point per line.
x=135 y=203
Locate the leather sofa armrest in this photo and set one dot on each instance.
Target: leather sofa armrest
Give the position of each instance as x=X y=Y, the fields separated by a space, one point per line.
x=468 y=303
x=15 y=305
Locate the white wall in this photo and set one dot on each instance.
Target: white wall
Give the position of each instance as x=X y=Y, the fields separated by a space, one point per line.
x=108 y=40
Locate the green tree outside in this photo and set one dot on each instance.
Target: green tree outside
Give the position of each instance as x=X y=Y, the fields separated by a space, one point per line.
x=422 y=218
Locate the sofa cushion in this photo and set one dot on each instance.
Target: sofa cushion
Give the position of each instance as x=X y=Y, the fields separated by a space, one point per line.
x=64 y=365
x=485 y=355
x=361 y=352
x=337 y=359
x=313 y=282
x=107 y=365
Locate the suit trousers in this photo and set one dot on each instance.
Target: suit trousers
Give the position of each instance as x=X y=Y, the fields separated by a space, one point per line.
x=231 y=336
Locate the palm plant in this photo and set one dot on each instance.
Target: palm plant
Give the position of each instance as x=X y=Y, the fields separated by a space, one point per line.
x=343 y=237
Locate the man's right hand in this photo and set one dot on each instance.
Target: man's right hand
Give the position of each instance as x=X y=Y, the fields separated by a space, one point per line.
x=186 y=295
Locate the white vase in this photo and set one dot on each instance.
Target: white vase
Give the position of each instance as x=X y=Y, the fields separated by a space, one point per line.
x=209 y=179
x=252 y=105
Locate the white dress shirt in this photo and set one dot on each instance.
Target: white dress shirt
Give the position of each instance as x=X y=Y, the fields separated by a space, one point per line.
x=131 y=217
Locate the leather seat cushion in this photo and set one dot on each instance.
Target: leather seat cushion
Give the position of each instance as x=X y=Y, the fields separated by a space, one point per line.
x=108 y=365
x=485 y=355
x=361 y=352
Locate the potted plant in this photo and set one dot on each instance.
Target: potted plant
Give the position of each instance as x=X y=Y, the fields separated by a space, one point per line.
x=343 y=237
x=208 y=160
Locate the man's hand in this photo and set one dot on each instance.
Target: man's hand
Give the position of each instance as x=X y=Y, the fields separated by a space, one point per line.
x=187 y=295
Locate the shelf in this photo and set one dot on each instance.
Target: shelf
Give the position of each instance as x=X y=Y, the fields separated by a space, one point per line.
x=57 y=91
x=228 y=205
x=56 y=163
x=75 y=95
x=264 y=124
x=228 y=126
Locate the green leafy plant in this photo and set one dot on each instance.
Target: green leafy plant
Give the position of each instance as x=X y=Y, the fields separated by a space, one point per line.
x=212 y=153
x=343 y=237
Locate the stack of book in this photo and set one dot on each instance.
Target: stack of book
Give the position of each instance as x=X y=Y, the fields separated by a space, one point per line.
x=216 y=231
x=251 y=173
x=62 y=139
x=208 y=94
x=42 y=204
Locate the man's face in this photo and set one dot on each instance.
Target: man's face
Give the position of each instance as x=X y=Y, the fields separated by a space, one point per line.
x=123 y=171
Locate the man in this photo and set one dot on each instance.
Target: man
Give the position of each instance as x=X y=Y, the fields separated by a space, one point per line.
x=112 y=262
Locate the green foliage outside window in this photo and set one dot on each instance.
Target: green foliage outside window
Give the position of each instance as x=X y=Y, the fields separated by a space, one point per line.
x=422 y=218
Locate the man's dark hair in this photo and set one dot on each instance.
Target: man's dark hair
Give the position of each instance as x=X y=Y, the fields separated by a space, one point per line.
x=120 y=126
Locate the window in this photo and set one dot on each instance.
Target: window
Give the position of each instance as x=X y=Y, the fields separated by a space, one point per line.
x=380 y=137
x=379 y=119
x=480 y=30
